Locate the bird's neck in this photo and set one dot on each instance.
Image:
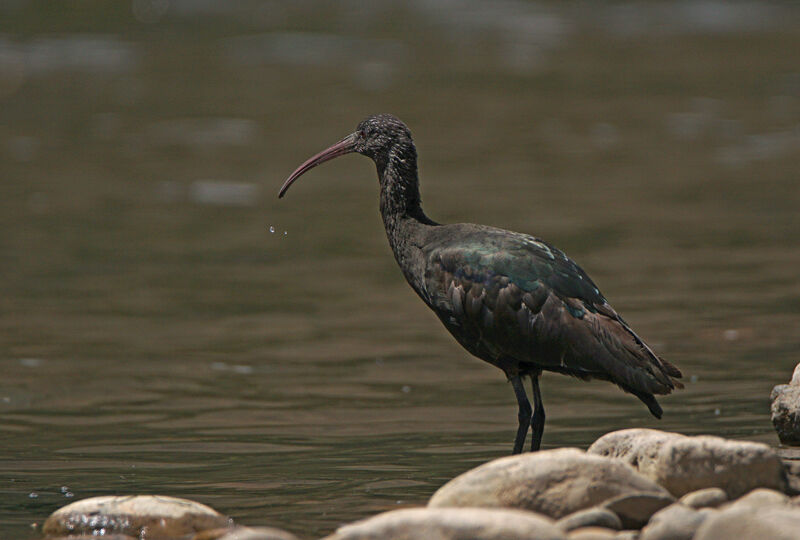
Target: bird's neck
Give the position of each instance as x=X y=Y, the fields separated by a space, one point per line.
x=401 y=203
x=401 y=209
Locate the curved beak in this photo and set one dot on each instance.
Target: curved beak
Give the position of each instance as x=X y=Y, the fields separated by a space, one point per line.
x=345 y=146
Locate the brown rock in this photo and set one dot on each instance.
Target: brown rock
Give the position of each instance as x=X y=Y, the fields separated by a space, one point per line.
x=634 y=510
x=785 y=411
x=255 y=533
x=592 y=533
x=157 y=516
x=684 y=464
x=771 y=522
x=675 y=522
x=451 y=524
x=591 y=517
x=704 y=498
x=552 y=482
x=759 y=498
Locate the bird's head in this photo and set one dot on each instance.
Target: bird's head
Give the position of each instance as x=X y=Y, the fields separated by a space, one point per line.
x=380 y=137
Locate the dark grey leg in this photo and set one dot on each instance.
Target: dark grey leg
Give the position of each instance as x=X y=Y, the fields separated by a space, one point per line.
x=524 y=414
x=537 y=421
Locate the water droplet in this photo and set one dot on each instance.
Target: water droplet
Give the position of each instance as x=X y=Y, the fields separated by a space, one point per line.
x=285 y=233
x=272 y=229
x=693 y=379
x=69 y=494
x=31 y=362
x=406 y=389
x=64 y=489
x=243 y=370
x=717 y=412
x=33 y=495
x=730 y=335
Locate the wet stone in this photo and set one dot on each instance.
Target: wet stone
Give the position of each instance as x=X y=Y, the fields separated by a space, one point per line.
x=451 y=524
x=591 y=517
x=150 y=516
x=555 y=483
x=92 y=537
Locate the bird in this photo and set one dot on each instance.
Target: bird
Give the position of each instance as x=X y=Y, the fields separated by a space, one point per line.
x=510 y=299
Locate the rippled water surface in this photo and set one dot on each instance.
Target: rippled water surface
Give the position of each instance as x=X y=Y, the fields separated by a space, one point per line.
x=168 y=326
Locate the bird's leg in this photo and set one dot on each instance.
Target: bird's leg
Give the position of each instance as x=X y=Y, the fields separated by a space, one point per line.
x=524 y=414
x=537 y=420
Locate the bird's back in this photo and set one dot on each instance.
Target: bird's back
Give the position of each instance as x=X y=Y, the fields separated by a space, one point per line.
x=521 y=304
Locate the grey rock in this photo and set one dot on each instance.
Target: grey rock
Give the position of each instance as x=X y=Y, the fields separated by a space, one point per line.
x=771 y=522
x=634 y=510
x=704 y=498
x=158 y=516
x=592 y=533
x=591 y=517
x=684 y=464
x=675 y=522
x=785 y=411
x=551 y=482
x=451 y=524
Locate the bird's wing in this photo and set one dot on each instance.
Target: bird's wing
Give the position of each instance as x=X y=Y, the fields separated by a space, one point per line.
x=517 y=296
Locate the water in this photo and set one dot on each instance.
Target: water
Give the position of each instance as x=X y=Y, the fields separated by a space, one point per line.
x=156 y=338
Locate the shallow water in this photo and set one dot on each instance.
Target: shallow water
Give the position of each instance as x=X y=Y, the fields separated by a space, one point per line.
x=158 y=337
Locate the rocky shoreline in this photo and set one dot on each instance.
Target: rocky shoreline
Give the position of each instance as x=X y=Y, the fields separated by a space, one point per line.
x=631 y=484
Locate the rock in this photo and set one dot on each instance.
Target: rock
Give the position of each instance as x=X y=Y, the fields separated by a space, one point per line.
x=551 y=482
x=635 y=510
x=451 y=524
x=92 y=537
x=675 y=522
x=591 y=517
x=795 y=376
x=592 y=533
x=759 y=498
x=704 y=498
x=152 y=516
x=770 y=522
x=785 y=411
x=637 y=447
x=627 y=535
x=792 y=468
x=684 y=464
x=255 y=533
